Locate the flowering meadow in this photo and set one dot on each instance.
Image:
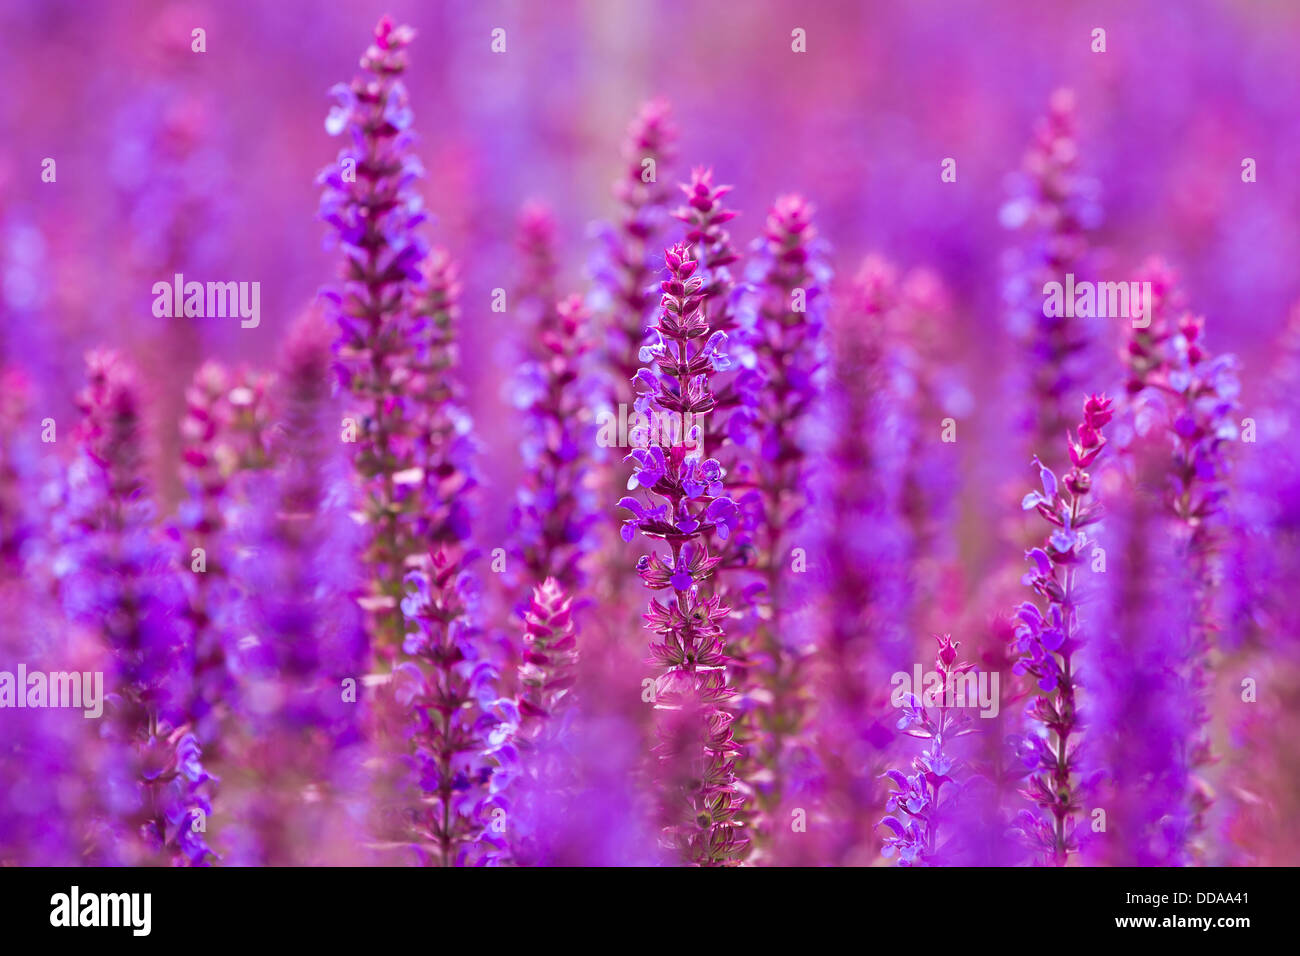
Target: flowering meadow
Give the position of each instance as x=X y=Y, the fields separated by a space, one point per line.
x=648 y=433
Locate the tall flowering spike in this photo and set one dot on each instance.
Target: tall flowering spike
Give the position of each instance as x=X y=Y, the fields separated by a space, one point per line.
x=205 y=467
x=705 y=215
x=460 y=729
x=444 y=447
x=1050 y=634
x=1140 y=713
x=643 y=193
x=304 y=640
x=369 y=198
x=1053 y=209
x=555 y=510
x=681 y=501
x=924 y=803
x=865 y=635
x=115 y=576
x=784 y=332
x=1184 y=394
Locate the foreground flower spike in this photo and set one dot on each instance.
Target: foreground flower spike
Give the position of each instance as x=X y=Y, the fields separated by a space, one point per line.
x=786 y=338
x=1049 y=636
x=550 y=656
x=1053 y=210
x=117 y=578
x=459 y=732
x=556 y=510
x=920 y=801
x=698 y=798
x=369 y=198
x=642 y=193
x=203 y=545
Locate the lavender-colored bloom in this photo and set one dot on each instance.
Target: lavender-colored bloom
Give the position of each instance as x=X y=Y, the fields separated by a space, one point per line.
x=461 y=732
x=699 y=802
x=555 y=512
x=444 y=444
x=115 y=575
x=1140 y=709
x=923 y=809
x=1183 y=394
x=1049 y=636
x=302 y=643
x=626 y=272
x=782 y=330
x=1053 y=208
x=369 y=199
x=865 y=627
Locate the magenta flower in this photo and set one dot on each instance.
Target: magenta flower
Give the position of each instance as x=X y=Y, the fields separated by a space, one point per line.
x=921 y=804
x=114 y=574
x=1050 y=634
x=369 y=199
x=699 y=801
x=783 y=325
x=461 y=730
x=1053 y=208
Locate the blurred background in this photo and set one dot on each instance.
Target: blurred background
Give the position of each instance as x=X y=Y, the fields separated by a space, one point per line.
x=203 y=163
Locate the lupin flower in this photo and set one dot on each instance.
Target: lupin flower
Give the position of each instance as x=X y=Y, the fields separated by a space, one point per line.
x=115 y=575
x=369 y=198
x=699 y=802
x=1053 y=208
x=784 y=323
x=461 y=732
x=919 y=800
x=1048 y=636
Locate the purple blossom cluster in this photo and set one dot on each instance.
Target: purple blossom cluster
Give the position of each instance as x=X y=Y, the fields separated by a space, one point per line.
x=533 y=542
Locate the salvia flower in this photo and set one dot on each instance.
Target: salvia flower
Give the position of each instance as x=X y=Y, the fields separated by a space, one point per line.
x=918 y=801
x=696 y=752
x=461 y=731
x=1053 y=209
x=1186 y=395
x=784 y=326
x=556 y=511
x=369 y=199
x=114 y=574
x=1049 y=634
